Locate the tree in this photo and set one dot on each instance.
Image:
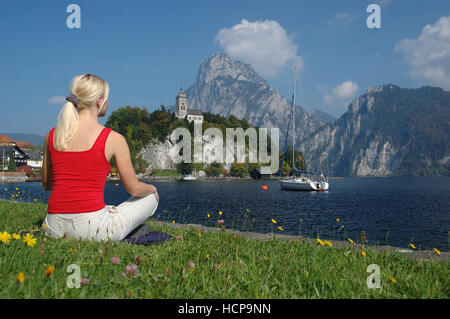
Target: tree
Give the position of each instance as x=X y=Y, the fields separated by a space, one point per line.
x=12 y=163
x=184 y=168
x=239 y=169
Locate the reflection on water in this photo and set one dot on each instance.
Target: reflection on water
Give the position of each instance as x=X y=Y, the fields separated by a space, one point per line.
x=396 y=208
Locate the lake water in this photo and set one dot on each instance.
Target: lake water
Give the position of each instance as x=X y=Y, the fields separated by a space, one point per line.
x=390 y=210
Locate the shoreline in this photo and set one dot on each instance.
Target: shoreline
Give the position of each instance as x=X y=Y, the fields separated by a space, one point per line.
x=429 y=255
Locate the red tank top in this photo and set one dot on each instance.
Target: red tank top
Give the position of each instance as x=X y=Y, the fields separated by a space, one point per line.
x=78 y=177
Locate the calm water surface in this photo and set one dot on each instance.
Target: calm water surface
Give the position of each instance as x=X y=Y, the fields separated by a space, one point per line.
x=390 y=210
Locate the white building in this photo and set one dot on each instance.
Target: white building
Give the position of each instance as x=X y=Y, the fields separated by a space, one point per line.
x=182 y=110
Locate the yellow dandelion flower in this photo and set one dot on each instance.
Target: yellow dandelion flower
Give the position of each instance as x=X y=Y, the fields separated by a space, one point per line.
x=16 y=236
x=363 y=253
x=351 y=241
x=234 y=236
x=220 y=212
x=274 y=221
x=17 y=189
x=392 y=279
x=328 y=243
x=6 y=189
x=173 y=222
x=5 y=237
x=199 y=235
x=49 y=271
x=29 y=240
x=412 y=246
x=247 y=210
x=20 y=277
x=207 y=256
x=280 y=228
x=320 y=241
x=208 y=215
x=338 y=220
x=437 y=251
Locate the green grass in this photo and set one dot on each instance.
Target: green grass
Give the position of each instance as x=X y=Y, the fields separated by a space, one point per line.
x=236 y=267
x=166 y=172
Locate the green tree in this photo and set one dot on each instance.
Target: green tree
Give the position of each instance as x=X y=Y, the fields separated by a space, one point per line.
x=184 y=168
x=12 y=163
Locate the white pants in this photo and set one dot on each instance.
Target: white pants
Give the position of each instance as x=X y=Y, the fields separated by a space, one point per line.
x=110 y=222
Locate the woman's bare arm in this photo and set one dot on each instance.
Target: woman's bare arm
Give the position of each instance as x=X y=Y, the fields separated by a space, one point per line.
x=46 y=168
x=118 y=147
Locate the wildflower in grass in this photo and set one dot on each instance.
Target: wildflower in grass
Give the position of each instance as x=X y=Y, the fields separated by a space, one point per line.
x=173 y=222
x=190 y=264
x=199 y=235
x=20 y=277
x=35 y=199
x=351 y=241
x=29 y=240
x=208 y=215
x=84 y=281
x=234 y=236
x=17 y=189
x=338 y=220
x=222 y=228
x=247 y=210
x=5 y=237
x=265 y=258
x=137 y=259
x=220 y=221
x=6 y=189
x=363 y=253
x=220 y=212
x=49 y=271
x=328 y=243
x=320 y=241
x=437 y=251
x=274 y=221
x=412 y=246
x=207 y=256
x=253 y=220
x=179 y=237
x=280 y=228
x=392 y=279
x=115 y=260
x=16 y=236
x=130 y=271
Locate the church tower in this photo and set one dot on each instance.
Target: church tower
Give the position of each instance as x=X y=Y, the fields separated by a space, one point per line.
x=181 y=104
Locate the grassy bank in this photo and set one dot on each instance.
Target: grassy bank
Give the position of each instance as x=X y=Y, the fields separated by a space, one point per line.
x=202 y=264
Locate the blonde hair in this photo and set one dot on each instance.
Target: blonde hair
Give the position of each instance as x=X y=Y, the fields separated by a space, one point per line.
x=87 y=88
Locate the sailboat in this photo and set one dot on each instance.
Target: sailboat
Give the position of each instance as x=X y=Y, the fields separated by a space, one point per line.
x=300 y=180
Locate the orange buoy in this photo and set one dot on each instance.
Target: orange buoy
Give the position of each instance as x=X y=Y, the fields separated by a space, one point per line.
x=264 y=187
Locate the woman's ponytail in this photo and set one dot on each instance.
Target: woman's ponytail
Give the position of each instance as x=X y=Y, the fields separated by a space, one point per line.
x=66 y=126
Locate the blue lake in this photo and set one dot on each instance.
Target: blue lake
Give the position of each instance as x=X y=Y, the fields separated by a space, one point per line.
x=390 y=210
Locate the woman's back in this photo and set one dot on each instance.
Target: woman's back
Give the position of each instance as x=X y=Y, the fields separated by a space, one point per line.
x=79 y=174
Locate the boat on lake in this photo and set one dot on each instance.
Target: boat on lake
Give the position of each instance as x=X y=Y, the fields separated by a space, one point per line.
x=300 y=180
x=189 y=177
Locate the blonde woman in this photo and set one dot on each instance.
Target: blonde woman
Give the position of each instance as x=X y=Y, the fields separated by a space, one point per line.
x=77 y=153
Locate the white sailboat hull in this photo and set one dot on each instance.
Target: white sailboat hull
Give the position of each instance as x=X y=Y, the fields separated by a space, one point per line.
x=299 y=185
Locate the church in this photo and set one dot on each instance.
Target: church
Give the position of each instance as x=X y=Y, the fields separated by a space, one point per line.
x=182 y=110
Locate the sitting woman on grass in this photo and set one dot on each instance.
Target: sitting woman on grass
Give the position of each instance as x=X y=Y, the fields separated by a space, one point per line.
x=77 y=153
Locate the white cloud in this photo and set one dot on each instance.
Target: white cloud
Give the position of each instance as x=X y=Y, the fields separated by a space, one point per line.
x=57 y=100
x=263 y=44
x=340 y=94
x=428 y=55
x=341 y=17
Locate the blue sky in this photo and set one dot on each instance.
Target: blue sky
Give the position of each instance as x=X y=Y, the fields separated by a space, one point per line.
x=145 y=49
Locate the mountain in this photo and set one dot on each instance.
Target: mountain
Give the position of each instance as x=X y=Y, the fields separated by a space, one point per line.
x=33 y=139
x=388 y=130
x=323 y=116
x=224 y=86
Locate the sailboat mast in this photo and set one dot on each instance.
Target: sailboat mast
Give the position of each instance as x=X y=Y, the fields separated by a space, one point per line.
x=293 y=122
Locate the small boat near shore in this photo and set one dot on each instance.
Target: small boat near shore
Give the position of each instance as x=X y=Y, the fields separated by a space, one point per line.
x=188 y=177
